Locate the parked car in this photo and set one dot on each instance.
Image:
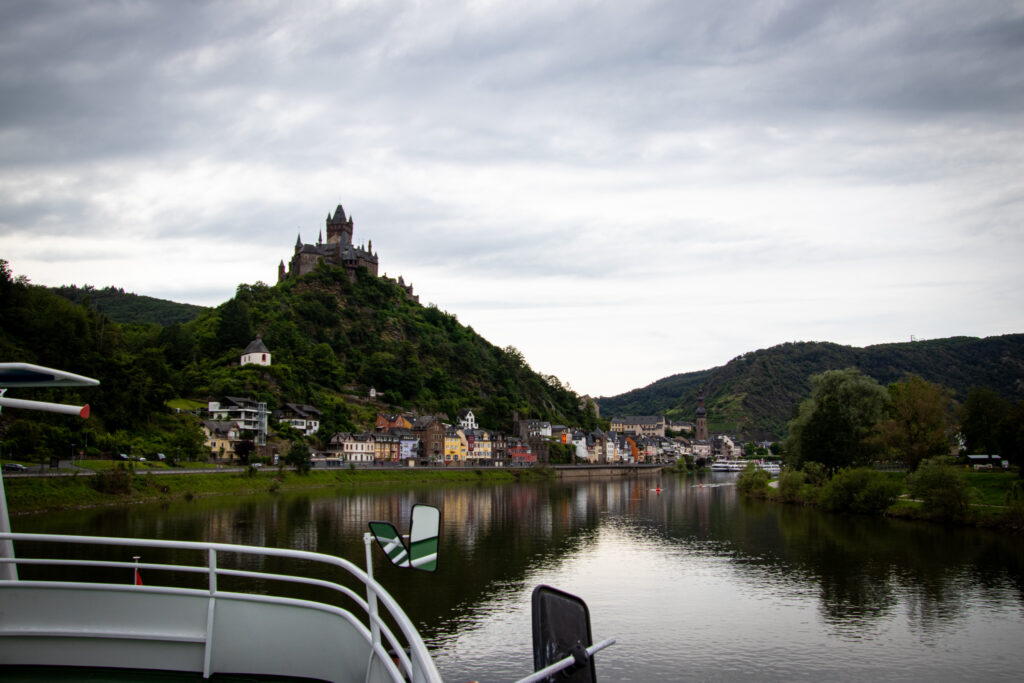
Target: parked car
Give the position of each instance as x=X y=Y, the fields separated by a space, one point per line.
x=14 y=467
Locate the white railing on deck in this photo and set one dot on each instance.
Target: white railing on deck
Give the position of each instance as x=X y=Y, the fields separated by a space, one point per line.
x=414 y=661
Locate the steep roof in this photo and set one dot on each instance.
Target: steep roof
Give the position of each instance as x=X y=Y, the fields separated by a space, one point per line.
x=256 y=346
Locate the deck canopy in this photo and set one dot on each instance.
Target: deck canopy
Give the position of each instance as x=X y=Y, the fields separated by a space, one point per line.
x=13 y=375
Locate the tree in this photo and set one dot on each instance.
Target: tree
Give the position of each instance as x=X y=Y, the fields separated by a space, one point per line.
x=187 y=440
x=981 y=418
x=234 y=328
x=917 y=423
x=1011 y=436
x=298 y=457
x=941 y=487
x=835 y=424
x=243 y=449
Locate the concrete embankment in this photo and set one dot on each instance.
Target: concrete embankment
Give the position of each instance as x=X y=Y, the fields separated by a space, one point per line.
x=604 y=471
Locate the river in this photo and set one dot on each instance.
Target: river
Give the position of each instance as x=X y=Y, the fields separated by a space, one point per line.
x=694 y=582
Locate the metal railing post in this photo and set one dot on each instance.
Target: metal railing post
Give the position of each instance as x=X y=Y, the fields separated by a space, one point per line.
x=371 y=595
x=208 y=647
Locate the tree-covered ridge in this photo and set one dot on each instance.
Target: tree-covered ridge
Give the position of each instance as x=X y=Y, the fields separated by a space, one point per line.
x=330 y=339
x=756 y=393
x=126 y=307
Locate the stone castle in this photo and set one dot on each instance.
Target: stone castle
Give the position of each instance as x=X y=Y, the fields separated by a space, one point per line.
x=338 y=251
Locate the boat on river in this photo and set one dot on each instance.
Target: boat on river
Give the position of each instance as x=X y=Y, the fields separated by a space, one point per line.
x=200 y=608
x=730 y=465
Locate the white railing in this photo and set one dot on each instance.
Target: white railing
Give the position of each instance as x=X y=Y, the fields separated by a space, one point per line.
x=414 y=661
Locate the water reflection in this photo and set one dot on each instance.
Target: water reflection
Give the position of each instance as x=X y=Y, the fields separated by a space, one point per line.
x=693 y=581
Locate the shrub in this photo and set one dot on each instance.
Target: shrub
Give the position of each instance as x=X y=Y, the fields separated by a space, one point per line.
x=816 y=473
x=115 y=481
x=859 y=490
x=752 y=480
x=791 y=483
x=941 y=487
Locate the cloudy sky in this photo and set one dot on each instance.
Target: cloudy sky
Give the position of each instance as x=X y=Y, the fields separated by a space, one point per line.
x=621 y=190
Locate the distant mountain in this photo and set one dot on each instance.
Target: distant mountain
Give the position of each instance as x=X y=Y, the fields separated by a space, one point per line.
x=125 y=307
x=754 y=395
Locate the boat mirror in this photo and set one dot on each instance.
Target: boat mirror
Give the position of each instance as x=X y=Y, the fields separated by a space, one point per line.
x=423 y=537
x=561 y=627
x=390 y=542
x=421 y=553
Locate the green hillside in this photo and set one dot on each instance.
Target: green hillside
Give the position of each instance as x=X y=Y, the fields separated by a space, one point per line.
x=331 y=340
x=754 y=394
x=126 y=307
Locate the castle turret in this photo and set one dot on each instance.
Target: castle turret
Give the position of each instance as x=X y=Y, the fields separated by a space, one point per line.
x=339 y=228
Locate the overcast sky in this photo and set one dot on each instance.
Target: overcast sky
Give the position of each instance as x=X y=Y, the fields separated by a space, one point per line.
x=621 y=190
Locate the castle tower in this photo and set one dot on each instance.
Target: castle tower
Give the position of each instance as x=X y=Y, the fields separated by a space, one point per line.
x=702 y=417
x=339 y=228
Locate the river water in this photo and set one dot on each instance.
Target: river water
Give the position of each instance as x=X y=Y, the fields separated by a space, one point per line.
x=694 y=582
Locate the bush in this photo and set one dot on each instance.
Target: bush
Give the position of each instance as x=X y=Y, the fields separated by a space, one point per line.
x=816 y=473
x=859 y=490
x=791 y=483
x=752 y=480
x=941 y=487
x=114 y=481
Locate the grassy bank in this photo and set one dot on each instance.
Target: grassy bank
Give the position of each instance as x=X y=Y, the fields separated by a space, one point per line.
x=119 y=487
x=948 y=495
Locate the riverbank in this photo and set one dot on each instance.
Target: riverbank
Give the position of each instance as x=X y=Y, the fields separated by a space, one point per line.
x=949 y=496
x=119 y=487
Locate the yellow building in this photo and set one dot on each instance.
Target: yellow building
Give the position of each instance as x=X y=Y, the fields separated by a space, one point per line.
x=455 y=445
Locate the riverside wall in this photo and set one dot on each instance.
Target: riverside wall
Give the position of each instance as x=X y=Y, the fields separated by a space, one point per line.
x=604 y=471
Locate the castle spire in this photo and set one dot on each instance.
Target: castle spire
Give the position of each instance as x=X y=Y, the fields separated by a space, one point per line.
x=298 y=241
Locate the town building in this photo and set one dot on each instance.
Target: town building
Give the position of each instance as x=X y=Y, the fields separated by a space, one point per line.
x=456 y=446
x=221 y=437
x=467 y=420
x=519 y=453
x=431 y=433
x=248 y=414
x=385 y=423
x=300 y=416
x=641 y=425
x=478 y=446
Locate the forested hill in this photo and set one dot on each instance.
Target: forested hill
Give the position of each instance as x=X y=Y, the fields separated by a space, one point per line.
x=754 y=394
x=331 y=340
x=126 y=307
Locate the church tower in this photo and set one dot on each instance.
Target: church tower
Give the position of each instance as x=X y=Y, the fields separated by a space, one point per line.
x=702 y=417
x=339 y=228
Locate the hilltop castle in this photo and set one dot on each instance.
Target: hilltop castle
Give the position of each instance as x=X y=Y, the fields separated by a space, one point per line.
x=338 y=250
